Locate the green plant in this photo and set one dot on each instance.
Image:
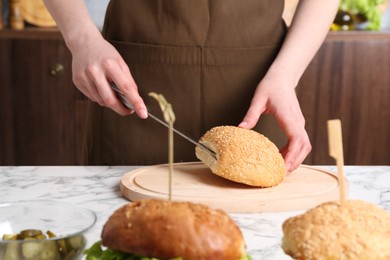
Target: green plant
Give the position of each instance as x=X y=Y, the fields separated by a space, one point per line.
x=365 y=8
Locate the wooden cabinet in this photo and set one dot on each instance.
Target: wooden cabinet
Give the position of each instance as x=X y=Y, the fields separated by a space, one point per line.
x=42 y=114
x=349 y=79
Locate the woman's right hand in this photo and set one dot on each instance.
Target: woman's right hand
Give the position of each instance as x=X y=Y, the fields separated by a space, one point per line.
x=95 y=64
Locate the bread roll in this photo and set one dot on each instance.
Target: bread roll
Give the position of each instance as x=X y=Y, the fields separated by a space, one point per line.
x=356 y=230
x=243 y=156
x=166 y=229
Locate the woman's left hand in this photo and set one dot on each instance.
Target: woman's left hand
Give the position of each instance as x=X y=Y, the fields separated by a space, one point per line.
x=277 y=98
x=275 y=94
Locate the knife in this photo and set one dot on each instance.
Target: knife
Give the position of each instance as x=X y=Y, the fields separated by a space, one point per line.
x=127 y=104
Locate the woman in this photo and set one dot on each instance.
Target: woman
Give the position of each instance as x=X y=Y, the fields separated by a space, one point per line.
x=217 y=62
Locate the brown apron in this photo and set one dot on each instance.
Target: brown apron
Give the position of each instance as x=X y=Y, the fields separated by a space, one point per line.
x=206 y=57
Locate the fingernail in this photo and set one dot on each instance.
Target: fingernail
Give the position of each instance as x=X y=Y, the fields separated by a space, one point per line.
x=143 y=113
x=243 y=124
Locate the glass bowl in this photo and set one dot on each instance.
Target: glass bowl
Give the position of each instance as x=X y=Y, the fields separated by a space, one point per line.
x=67 y=222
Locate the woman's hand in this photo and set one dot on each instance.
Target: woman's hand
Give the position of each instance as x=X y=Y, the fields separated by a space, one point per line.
x=276 y=92
x=95 y=64
x=278 y=99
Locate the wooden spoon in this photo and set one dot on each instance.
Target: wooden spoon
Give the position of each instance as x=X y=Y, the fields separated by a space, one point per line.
x=336 y=151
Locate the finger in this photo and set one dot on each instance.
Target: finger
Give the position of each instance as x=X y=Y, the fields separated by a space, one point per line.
x=86 y=93
x=111 y=100
x=295 y=151
x=291 y=120
x=105 y=92
x=88 y=89
x=122 y=77
x=292 y=151
x=255 y=110
x=305 y=150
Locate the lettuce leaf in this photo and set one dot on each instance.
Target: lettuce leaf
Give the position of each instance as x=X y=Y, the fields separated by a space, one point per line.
x=246 y=257
x=96 y=252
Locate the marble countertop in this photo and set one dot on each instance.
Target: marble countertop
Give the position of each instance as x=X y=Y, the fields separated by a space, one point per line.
x=97 y=188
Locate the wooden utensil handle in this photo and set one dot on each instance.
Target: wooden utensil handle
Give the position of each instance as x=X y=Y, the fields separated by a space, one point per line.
x=15 y=17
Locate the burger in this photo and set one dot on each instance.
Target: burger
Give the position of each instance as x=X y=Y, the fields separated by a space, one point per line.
x=354 y=230
x=152 y=229
x=243 y=156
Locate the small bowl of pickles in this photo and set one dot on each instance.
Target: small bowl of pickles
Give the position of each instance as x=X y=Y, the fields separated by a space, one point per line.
x=43 y=230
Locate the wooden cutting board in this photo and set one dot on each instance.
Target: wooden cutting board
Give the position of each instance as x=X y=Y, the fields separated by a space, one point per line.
x=302 y=189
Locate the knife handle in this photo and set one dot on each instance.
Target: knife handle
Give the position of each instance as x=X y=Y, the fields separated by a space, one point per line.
x=121 y=96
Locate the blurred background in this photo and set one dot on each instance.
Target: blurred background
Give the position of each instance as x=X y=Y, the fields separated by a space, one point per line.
x=42 y=115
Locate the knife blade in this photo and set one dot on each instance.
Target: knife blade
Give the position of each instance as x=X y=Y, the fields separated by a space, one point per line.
x=127 y=104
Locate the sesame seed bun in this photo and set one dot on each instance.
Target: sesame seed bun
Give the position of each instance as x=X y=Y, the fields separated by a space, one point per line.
x=243 y=156
x=168 y=229
x=355 y=230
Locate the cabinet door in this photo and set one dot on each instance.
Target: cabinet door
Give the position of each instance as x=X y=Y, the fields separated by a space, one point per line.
x=45 y=123
x=349 y=80
x=6 y=109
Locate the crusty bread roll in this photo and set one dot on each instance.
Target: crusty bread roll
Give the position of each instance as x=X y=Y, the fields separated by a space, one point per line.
x=243 y=156
x=167 y=229
x=356 y=230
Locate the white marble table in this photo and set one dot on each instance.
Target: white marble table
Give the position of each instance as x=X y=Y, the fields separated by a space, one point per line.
x=97 y=188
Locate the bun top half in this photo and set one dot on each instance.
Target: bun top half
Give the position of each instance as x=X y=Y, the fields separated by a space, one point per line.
x=168 y=229
x=243 y=156
x=354 y=230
